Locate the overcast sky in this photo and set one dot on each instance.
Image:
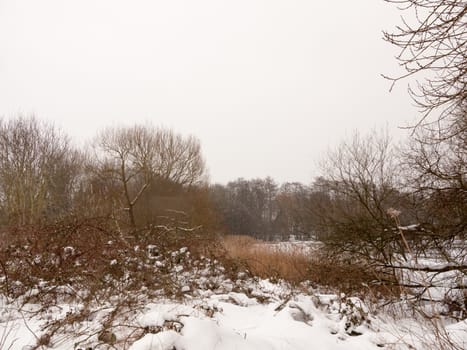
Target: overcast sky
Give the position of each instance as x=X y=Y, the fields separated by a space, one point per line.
x=267 y=86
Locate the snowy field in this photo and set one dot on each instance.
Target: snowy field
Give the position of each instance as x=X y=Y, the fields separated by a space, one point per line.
x=302 y=247
x=213 y=311
x=272 y=317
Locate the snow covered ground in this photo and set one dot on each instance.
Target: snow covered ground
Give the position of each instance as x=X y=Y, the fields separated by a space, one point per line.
x=211 y=310
x=301 y=247
x=271 y=316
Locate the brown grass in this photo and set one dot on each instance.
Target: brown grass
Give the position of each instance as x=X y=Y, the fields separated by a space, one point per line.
x=296 y=265
x=266 y=260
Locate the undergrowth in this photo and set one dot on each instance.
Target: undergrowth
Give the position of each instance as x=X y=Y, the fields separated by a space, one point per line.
x=297 y=264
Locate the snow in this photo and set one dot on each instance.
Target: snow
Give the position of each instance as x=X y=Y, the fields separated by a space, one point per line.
x=299 y=247
x=228 y=321
x=157 y=314
x=255 y=327
x=412 y=227
x=216 y=313
x=162 y=341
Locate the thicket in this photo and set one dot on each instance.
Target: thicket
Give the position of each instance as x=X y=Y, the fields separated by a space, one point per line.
x=131 y=216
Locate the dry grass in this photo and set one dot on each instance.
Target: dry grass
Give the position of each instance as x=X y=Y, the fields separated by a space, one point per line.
x=296 y=265
x=266 y=260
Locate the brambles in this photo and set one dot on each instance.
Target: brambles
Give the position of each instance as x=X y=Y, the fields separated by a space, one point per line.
x=89 y=256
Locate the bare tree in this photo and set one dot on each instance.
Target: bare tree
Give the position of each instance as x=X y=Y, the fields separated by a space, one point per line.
x=417 y=247
x=135 y=157
x=349 y=204
x=437 y=175
x=177 y=158
x=248 y=207
x=433 y=44
x=38 y=171
x=433 y=48
x=293 y=200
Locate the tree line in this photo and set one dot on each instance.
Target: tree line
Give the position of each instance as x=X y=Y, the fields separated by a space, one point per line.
x=142 y=175
x=130 y=174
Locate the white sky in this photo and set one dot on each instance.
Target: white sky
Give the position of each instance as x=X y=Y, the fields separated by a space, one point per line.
x=266 y=85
